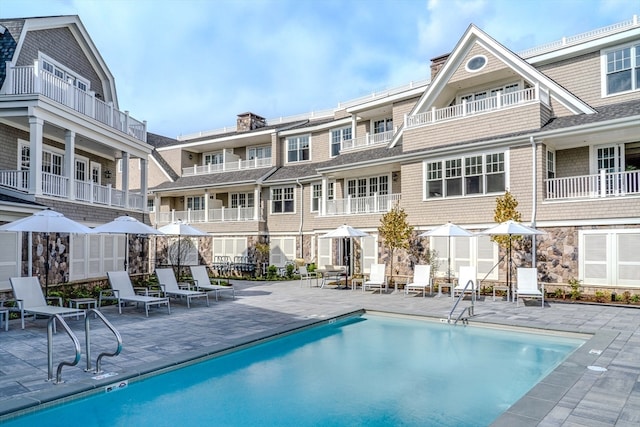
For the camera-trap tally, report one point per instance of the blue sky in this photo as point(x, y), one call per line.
point(192, 65)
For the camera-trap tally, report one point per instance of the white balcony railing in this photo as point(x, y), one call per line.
point(57, 186)
point(466, 109)
point(604, 184)
point(215, 215)
point(26, 80)
point(362, 205)
point(226, 167)
point(366, 140)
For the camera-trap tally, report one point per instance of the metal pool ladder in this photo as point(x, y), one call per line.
point(469, 309)
point(76, 344)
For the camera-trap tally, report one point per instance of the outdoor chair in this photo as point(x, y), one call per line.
point(202, 282)
point(122, 291)
point(421, 280)
point(170, 288)
point(377, 278)
point(527, 285)
point(466, 274)
point(30, 299)
point(307, 276)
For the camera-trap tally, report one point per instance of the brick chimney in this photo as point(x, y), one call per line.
point(250, 121)
point(437, 63)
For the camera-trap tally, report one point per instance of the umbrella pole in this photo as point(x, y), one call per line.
point(46, 269)
point(509, 268)
point(126, 250)
point(449, 260)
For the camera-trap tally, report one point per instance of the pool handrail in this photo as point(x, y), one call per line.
point(76, 343)
point(88, 340)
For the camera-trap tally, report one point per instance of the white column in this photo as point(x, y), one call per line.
point(125, 178)
point(69, 163)
point(354, 125)
point(256, 202)
point(143, 181)
point(206, 205)
point(35, 155)
point(323, 199)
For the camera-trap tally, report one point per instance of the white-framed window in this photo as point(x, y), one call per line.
point(331, 190)
point(298, 149)
point(96, 169)
point(212, 159)
point(195, 203)
point(151, 206)
point(81, 170)
point(52, 161)
point(383, 125)
point(609, 257)
point(283, 200)
point(263, 152)
point(487, 93)
point(481, 174)
point(337, 136)
point(119, 165)
point(551, 164)
point(242, 200)
point(364, 187)
point(621, 69)
point(63, 73)
point(316, 197)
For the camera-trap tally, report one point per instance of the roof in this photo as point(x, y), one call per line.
point(215, 179)
point(5, 198)
point(604, 113)
point(8, 43)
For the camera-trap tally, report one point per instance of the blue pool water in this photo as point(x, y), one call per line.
point(370, 371)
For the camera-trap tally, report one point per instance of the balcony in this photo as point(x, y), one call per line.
point(362, 205)
point(227, 167)
point(366, 141)
point(28, 80)
point(214, 215)
point(58, 186)
point(604, 184)
point(498, 102)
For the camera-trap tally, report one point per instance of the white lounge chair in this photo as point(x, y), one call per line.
point(421, 280)
point(201, 281)
point(467, 273)
point(527, 285)
point(170, 288)
point(28, 294)
point(123, 292)
point(377, 278)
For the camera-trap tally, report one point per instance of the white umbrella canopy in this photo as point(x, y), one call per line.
point(344, 231)
point(47, 221)
point(125, 225)
point(179, 228)
point(448, 230)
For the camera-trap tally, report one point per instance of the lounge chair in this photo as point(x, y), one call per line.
point(377, 278)
point(467, 273)
point(306, 275)
point(170, 288)
point(202, 282)
point(527, 285)
point(421, 280)
point(123, 292)
point(28, 294)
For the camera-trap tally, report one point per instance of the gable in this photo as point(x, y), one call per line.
point(494, 69)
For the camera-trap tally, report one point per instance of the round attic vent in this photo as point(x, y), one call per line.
point(476, 63)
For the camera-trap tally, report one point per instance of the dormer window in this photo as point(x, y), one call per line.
point(476, 63)
point(621, 69)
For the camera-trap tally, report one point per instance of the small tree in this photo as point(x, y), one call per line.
point(505, 210)
point(395, 231)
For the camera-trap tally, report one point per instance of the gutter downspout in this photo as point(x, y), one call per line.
point(534, 200)
point(301, 217)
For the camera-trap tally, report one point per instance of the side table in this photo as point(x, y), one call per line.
point(78, 302)
point(4, 317)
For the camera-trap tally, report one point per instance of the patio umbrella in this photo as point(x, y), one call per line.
point(511, 228)
point(125, 225)
point(179, 228)
point(345, 232)
point(448, 230)
point(47, 221)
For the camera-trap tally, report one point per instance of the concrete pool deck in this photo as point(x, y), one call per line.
point(570, 396)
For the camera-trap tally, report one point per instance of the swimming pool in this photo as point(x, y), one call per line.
point(369, 370)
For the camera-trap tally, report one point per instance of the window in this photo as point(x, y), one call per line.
point(331, 191)
point(364, 187)
point(298, 149)
point(622, 69)
point(316, 196)
point(242, 200)
point(81, 170)
point(51, 163)
point(68, 76)
point(259, 153)
point(195, 203)
point(551, 164)
point(212, 159)
point(476, 63)
point(466, 176)
point(384, 125)
point(150, 205)
point(337, 136)
point(95, 172)
point(282, 200)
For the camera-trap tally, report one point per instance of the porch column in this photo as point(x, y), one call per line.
point(206, 205)
point(143, 182)
point(323, 199)
point(35, 155)
point(69, 163)
point(125, 178)
point(256, 202)
point(354, 124)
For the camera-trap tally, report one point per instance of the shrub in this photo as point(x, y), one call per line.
point(290, 268)
point(602, 296)
point(576, 292)
point(272, 272)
